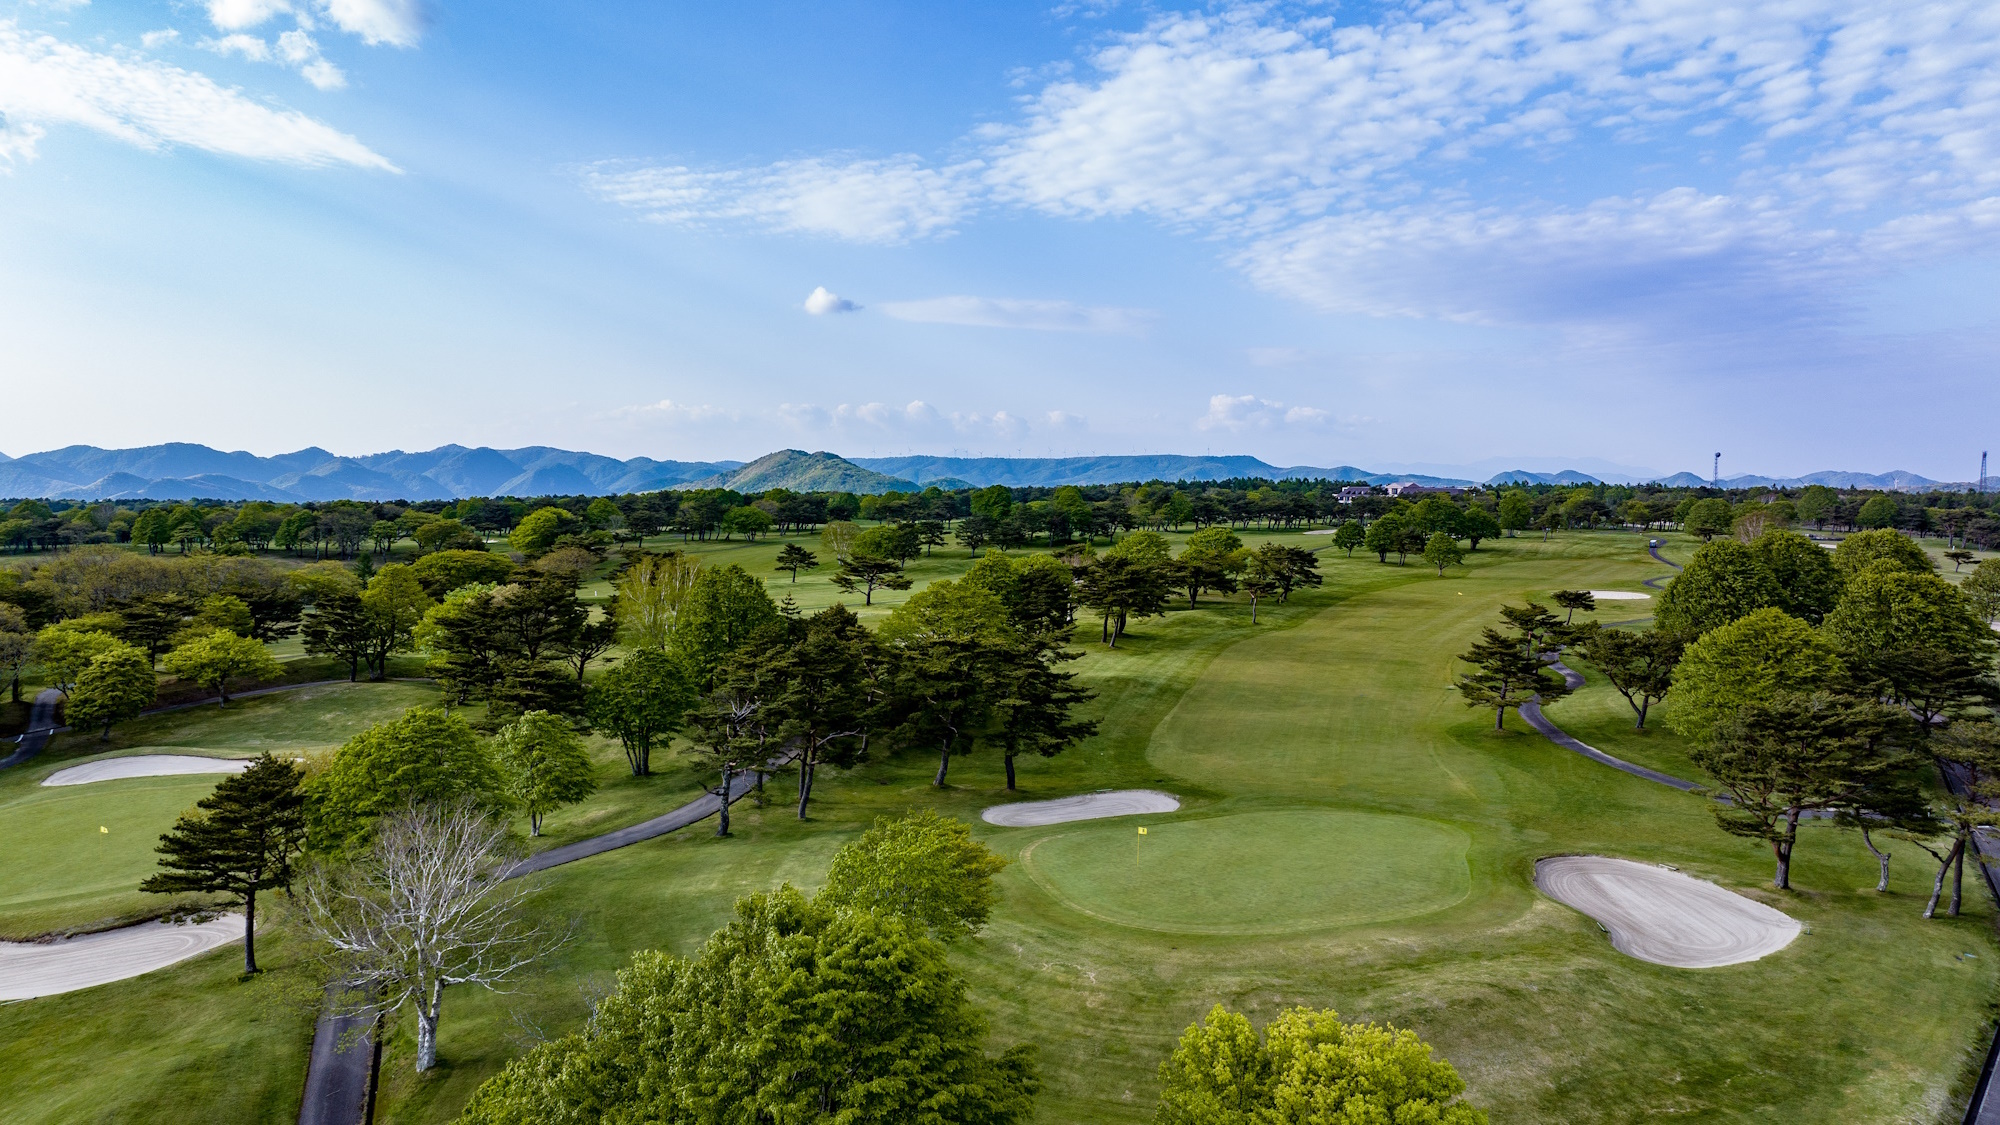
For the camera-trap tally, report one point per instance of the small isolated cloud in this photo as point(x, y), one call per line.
point(44, 81)
point(1004, 312)
point(822, 301)
point(1064, 420)
point(300, 52)
point(1237, 413)
point(155, 39)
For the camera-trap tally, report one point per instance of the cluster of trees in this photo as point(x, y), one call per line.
point(1855, 684)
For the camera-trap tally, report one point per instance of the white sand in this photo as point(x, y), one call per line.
point(30, 969)
point(1619, 596)
point(1089, 806)
point(144, 765)
point(1664, 916)
point(1323, 531)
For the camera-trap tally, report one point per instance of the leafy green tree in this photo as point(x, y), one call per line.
point(441, 536)
point(115, 686)
point(1751, 660)
point(545, 765)
point(1982, 590)
point(393, 603)
point(383, 535)
point(443, 571)
point(1310, 1069)
point(1709, 518)
point(1863, 550)
point(538, 530)
point(17, 647)
point(725, 607)
point(1258, 587)
point(1210, 561)
point(1507, 672)
point(975, 531)
point(1886, 608)
point(1120, 588)
point(1878, 512)
point(426, 757)
point(1725, 581)
point(795, 558)
point(1474, 525)
point(813, 693)
point(1434, 514)
point(1348, 536)
point(995, 502)
point(1441, 551)
point(1383, 536)
point(1640, 665)
point(641, 700)
point(652, 594)
point(1288, 568)
point(922, 867)
point(1959, 558)
point(966, 609)
point(1792, 754)
point(794, 1012)
point(1517, 512)
point(1809, 583)
point(239, 840)
point(1815, 503)
point(1147, 547)
point(213, 659)
point(63, 653)
point(603, 515)
point(1970, 750)
point(747, 521)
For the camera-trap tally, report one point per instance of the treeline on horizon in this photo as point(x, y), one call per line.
point(1001, 515)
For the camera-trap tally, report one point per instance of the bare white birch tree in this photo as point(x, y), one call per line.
point(426, 908)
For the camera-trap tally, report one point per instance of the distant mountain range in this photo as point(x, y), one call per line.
point(182, 471)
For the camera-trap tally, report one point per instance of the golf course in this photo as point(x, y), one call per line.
point(1349, 835)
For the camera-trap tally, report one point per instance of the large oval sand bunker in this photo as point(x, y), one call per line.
point(1664, 916)
point(1255, 873)
point(1088, 806)
point(144, 765)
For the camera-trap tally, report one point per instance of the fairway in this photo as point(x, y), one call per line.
point(63, 872)
point(1256, 873)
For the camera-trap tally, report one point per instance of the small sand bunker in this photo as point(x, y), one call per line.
point(31, 969)
point(1619, 596)
point(1089, 806)
point(144, 765)
point(1664, 916)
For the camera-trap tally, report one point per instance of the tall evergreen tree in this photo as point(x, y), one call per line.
point(240, 840)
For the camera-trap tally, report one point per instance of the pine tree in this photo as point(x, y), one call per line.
point(1506, 673)
point(240, 841)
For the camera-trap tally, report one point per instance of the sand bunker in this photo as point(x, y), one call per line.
point(1089, 806)
point(1664, 916)
point(1619, 596)
point(31, 969)
point(144, 765)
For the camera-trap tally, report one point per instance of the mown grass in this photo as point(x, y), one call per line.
point(1338, 704)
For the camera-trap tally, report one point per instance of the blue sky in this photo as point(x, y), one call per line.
point(1625, 232)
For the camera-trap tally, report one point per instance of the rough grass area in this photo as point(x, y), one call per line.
point(1335, 709)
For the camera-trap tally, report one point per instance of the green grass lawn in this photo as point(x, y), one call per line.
point(1339, 799)
point(64, 874)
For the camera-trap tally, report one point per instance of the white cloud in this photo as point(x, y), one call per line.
point(679, 412)
point(47, 82)
point(236, 15)
point(155, 39)
point(1237, 413)
point(246, 46)
point(1004, 312)
point(822, 301)
point(398, 23)
point(300, 51)
point(1428, 163)
point(886, 201)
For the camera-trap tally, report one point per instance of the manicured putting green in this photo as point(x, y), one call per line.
point(61, 871)
point(1255, 873)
